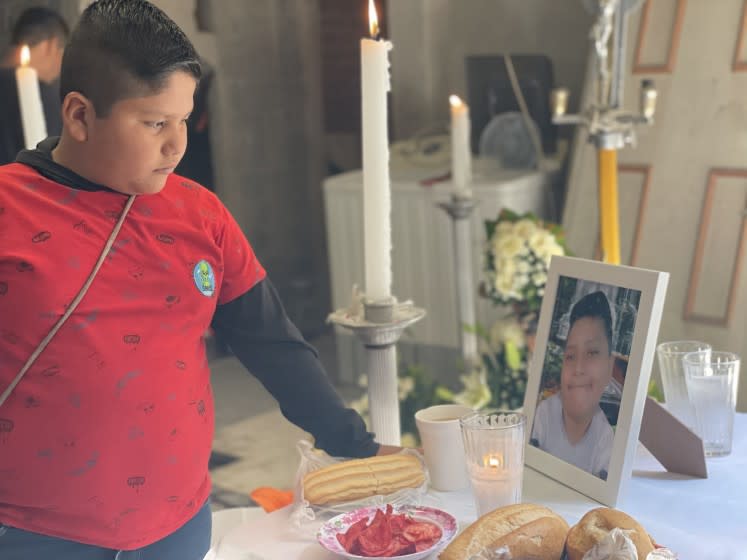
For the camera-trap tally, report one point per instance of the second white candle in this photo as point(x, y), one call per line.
point(461, 155)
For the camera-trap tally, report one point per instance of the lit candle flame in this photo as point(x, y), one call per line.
point(455, 101)
point(25, 55)
point(373, 20)
point(493, 461)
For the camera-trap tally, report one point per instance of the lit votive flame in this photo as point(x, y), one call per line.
point(25, 55)
point(455, 101)
point(373, 20)
point(493, 462)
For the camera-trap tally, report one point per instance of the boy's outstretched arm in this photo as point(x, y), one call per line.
point(260, 334)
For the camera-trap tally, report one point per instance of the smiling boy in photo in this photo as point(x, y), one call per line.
point(570, 425)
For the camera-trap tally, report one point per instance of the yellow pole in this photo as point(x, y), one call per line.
point(609, 220)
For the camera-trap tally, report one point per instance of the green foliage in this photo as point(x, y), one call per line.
point(423, 393)
point(654, 391)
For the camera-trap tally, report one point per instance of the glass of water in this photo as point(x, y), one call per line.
point(712, 381)
point(672, 372)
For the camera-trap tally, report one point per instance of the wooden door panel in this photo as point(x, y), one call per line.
point(656, 51)
point(718, 258)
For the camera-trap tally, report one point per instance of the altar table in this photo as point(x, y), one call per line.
point(700, 519)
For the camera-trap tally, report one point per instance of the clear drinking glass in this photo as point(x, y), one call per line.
point(494, 448)
point(670, 356)
point(712, 381)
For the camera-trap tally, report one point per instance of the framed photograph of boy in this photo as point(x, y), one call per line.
point(589, 375)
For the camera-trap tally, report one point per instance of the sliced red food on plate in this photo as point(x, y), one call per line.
point(347, 538)
point(389, 534)
point(422, 531)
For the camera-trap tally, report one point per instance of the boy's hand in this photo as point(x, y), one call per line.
point(392, 449)
point(388, 449)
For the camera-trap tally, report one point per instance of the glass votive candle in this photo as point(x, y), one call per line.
point(494, 449)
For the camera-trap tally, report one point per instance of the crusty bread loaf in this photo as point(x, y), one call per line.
point(361, 478)
point(528, 530)
point(596, 524)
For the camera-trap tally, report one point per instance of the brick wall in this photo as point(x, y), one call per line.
point(343, 24)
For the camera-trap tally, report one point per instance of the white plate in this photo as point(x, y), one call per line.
point(327, 535)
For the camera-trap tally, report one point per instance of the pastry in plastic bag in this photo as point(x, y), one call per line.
point(511, 532)
point(362, 478)
point(340, 485)
point(595, 527)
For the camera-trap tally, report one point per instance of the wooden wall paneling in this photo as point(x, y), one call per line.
point(739, 63)
point(644, 171)
point(640, 66)
point(700, 272)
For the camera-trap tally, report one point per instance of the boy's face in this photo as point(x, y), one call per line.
point(587, 368)
point(46, 58)
point(136, 147)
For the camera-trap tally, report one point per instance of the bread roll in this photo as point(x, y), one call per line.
point(528, 530)
point(595, 525)
point(362, 478)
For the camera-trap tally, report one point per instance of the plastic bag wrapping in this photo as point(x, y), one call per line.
point(502, 553)
point(307, 518)
point(618, 546)
point(662, 554)
point(615, 546)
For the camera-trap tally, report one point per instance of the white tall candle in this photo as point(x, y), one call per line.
point(29, 102)
point(376, 191)
point(461, 156)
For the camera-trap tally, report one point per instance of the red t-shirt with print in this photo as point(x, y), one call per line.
point(106, 439)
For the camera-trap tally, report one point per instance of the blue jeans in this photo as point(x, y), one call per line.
point(190, 542)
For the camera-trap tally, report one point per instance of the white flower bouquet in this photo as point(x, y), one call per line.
point(518, 253)
point(517, 257)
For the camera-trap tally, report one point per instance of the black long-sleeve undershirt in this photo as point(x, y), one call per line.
point(267, 343)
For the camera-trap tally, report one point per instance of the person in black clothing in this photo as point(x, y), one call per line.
point(197, 162)
point(44, 31)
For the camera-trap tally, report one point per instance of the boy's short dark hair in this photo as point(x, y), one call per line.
point(597, 306)
point(38, 24)
point(121, 49)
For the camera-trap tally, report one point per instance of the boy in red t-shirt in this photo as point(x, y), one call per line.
point(104, 442)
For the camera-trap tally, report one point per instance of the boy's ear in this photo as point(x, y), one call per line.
point(78, 114)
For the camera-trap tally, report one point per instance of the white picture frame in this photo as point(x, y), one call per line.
point(648, 288)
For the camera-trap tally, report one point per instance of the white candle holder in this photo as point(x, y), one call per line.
point(460, 209)
point(379, 328)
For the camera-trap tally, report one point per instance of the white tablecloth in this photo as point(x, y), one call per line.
point(701, 519)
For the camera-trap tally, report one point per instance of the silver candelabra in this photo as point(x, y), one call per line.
point(379, 325)
point(610, 127)
point(460, 211)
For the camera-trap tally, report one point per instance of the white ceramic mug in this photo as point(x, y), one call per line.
point(441, 436)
